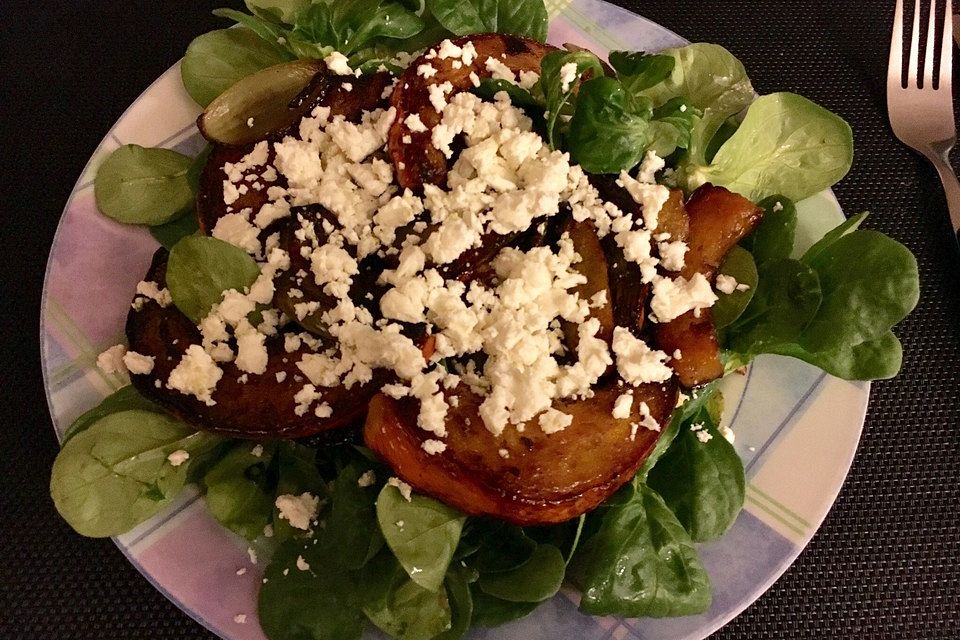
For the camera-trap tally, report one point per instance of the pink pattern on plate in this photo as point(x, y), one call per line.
point(94, 287)
point(196, 563)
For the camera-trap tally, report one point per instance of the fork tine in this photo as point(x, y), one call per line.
point(914, 63)
point(931, 45)
point(895, 63)
point(946, 50)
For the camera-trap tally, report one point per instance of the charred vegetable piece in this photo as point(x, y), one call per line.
point(593, 266)
point(718, 220)
point(629, 296)
point(297, 285)
point(417, 161)
point(526, 477)
point(323, 91)
point(261, 407)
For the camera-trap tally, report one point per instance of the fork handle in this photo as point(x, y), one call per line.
point(951, 187)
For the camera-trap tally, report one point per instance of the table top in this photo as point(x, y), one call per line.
point(886, 562)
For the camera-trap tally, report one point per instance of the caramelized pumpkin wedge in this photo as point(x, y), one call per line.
point(416, 161)
point(323, 91)
point(629, 296)
point(261, 407)
point(526, 477)
point(719, 219)
point(593, 266)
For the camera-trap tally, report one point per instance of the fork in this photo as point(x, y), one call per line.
point(921, 115)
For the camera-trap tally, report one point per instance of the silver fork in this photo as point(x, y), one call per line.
point(922, 115)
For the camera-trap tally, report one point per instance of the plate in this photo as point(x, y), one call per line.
point(796, 428)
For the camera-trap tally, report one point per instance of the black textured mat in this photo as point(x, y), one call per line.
point(886, 563)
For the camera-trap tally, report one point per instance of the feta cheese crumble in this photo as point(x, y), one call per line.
point(299, 511)
point(178, 457)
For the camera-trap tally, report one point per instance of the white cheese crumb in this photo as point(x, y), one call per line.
point(196, 374)
point(727, 433)
point(778, 206)
point(636, 362)
point(672, 254)
point(252, 554)
point(257, 451)
point(552, 421)
point(367, 479)
point(404, 489)
point(302, 564)
point(434, 447)
point(674, 297)
point(111, 360)
point(300, 510)
point(622, 406)
point(241, 571)
point(337, 63)
point(151, 290)
point(704, 436)
point(426, 70)
point(414, 123)
point(240, 618)
point(568, 73)
point(726, 284)
point(178, 457)
point(647, 421)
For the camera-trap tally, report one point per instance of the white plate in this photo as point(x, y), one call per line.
point(797, 428)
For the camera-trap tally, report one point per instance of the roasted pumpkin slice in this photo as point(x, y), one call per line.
point(526, 477)
point(251, 406)
point(417, 161)
point(719, 219)
point(593, 266)
point(323, 91)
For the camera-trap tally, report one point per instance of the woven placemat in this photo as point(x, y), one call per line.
point(886, 563)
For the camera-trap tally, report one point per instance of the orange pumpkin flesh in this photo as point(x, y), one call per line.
point(526, 477)
point(719, 219)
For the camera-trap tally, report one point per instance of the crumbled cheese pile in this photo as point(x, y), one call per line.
point(505, 180)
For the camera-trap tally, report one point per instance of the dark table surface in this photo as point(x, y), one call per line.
point(885, 564)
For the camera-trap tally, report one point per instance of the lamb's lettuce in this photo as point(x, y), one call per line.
point(558, 95)
point(400, 607)
point(786, 144)
point(775, 236)
point(535, 580)
point(740, 265)
point(422, 533)
point(201, 268)
point(834, 307)
point(139, 185)
point(115, 474)
point(123, 399)
point(713, 80)
point(640, 561)
point(215, 60)
point(702, 482)
point(303, 599)
point(517, 17)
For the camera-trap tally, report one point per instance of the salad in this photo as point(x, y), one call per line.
point(439, 315)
